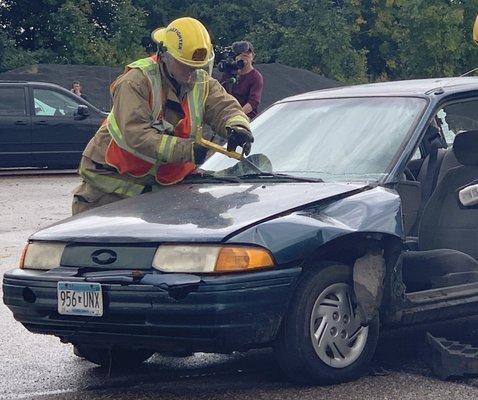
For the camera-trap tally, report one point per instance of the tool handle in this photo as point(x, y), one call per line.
point(216, 147)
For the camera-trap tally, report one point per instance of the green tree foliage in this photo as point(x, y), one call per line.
point(348, 40)
point(96, 32)
point(11, 56)
point(316, 35)
point(418, 38)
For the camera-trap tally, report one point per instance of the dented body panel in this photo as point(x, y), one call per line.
point(296, 235)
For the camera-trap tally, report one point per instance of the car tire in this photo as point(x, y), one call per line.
point(318, 342)
point(116, 357)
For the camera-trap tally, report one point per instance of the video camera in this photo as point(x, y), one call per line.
point(226, 57)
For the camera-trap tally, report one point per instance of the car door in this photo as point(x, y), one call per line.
point(15, 127)
point(59, 134)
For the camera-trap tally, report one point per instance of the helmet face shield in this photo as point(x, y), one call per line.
point(185, 74)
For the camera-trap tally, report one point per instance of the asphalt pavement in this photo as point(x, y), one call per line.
point(40, 367)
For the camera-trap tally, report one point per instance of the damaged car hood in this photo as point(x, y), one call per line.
point(192, 212)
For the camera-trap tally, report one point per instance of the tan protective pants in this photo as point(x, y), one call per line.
point(86, 197)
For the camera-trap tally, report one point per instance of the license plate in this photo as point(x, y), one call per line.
point(80, 299)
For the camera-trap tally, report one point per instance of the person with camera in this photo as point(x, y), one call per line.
point(241, 79)
point(159, 104)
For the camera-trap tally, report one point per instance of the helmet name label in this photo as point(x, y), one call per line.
point(180, 37)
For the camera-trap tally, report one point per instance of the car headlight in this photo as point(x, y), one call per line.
point(40, 255)
point(210, 258)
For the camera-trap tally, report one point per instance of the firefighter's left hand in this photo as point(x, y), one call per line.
point(239, 136)
point(199, 154)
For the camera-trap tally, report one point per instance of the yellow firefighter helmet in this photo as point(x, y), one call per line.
point(187, 40)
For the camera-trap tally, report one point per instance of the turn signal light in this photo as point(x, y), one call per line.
point(234, 259)
point(22, 256)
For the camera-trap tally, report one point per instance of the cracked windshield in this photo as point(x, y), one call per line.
point(348, 139)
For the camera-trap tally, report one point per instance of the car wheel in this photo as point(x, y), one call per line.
point(116, 357)
point(321, 340)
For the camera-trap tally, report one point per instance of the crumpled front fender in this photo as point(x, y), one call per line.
point(292, 237)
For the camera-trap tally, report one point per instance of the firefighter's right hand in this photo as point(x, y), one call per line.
point(199, 154)
point(239, 136)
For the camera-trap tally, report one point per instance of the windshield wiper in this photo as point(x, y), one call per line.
point(279, 176)
point(200, 176)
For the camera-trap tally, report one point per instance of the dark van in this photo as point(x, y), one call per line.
point(44, 125)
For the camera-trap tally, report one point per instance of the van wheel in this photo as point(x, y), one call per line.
point(116, 357)
point(321, 340)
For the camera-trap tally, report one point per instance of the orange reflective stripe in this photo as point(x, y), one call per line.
point(125, 162)
point(170, 174)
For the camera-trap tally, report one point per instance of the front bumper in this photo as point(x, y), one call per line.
point(219, 314)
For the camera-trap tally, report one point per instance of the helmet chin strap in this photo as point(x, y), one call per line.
point(161, 48)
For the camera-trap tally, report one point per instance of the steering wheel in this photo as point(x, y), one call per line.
point(409, 175)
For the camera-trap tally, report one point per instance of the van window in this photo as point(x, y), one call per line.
point(12, 101)
point(51, 103)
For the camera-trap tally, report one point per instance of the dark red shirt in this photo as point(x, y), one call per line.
point(247, 89)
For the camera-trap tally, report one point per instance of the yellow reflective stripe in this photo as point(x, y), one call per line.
point(196, 99)
point(141, 63)
point(238, 120)
point(166, 148)
point(154, 77)
point(111, 184)
point(113, 128)
point(162, 143)
point(169, 149)
point(206, 93)
point(192, 104)
point(150, 69)
point(118, 137)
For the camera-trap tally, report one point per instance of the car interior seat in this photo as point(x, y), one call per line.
point(420, 179)
point(447, 161)
point(448, 233)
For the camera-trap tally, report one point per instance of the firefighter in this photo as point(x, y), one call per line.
point(159, 102)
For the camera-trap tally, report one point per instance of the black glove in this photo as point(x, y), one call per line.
point(239, 136)
point(200, 153)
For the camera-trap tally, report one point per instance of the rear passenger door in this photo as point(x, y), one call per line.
point(15, 127)
point(59, 135)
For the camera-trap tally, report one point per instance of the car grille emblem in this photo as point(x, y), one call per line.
point(104, 256)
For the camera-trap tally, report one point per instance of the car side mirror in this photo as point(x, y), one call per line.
point(82, 112)
point(468, 195)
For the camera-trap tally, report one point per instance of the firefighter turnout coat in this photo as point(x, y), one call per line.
point(146, 138)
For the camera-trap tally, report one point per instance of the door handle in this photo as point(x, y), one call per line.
point(21, 123)
point(41, 123)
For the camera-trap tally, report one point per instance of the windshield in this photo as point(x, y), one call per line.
point(352, 139)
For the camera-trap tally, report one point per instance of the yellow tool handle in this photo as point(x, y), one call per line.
point(216, 147)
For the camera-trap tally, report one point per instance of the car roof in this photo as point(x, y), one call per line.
point(414, 87)
point(50, 85)
point(9, 82)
